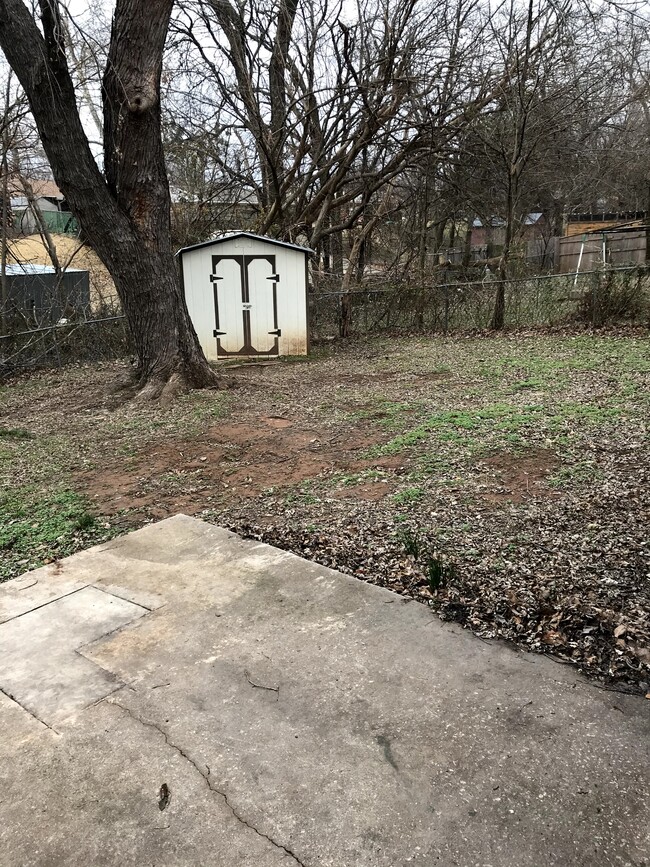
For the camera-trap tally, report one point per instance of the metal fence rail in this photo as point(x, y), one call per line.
point(594, 297)
point(63, 343)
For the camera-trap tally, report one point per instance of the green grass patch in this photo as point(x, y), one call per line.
point(408, 496)
point(207, 405)
point(505, 422)
point(303, 496)
point(585, 472)
point(387, 413)
point(35, 529)
point(15, 433)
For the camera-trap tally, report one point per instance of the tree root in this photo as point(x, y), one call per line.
point(144, 387)
point(167, 389)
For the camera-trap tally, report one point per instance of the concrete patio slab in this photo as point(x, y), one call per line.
point(282, 713)
point(43, 668)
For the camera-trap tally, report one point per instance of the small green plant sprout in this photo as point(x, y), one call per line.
point(408, 495)
point(410, 541)
point(439, 572)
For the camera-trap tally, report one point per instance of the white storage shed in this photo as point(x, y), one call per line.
point(247, 295)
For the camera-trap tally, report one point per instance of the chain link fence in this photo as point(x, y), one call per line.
point(593, 298)
point(66, 342)
point(64, 328)
point(47, 319)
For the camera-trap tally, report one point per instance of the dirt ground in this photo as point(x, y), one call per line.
point(503, 481)
point(250, 460)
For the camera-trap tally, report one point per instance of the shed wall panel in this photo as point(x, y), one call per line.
point(291, 298)
point(199, 295)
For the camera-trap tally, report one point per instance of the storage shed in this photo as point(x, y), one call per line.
point(247, 295)
point(38, 295)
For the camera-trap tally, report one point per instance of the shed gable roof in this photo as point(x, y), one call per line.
point(229, 236)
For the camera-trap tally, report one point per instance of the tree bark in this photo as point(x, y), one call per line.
point(126, 215)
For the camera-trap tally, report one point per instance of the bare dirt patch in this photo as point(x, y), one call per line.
point(519, 476)
point(229, 462)
point(434, 374)
point(368, 377)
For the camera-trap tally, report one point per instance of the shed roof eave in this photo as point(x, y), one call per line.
point(229, 236)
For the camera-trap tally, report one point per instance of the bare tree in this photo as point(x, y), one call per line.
point(330, 104)
point(124, 212)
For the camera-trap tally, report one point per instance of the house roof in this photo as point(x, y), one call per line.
point(499, 222)
point(42, 188)
point(636, 226)
point(228, 236)
point(605, 217)
point(495, 222)
point(234, 196)
point(26, 268)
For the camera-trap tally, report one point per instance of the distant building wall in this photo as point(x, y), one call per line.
point(37, 296)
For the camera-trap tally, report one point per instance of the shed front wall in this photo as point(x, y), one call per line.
point(291, 292)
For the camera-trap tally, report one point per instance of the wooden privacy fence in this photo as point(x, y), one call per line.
point(588, 252)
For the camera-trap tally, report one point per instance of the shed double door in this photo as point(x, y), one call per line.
point(245, 305)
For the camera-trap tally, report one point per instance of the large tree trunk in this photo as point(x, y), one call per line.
point(126, 215)
point(169, 356)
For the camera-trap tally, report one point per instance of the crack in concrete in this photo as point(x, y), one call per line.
point(43, 604)
point(206, 776)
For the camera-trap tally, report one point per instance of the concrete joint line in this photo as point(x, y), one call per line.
point(28, 711)
point(206, 776)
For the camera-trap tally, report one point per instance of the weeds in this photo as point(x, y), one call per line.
point(407, 496)
point(15, 433)
point(410, 541)
point(36, 529)
point(439, 570)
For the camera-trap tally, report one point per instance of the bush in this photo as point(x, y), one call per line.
point(614, 296)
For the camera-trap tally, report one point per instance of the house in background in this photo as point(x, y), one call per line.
point(489, 232)
point(487, 237)
point(37, 295)
point(32, 194)
point(493, 230)
point(579, 224)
